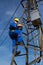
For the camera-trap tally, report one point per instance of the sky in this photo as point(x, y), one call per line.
point(7, 8)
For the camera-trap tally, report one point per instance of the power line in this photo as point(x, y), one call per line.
point(8, 23)
point(5, 38)
point(10, 19)
point(3, 41)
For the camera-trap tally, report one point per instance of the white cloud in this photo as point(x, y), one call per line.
point(10, 12)
point(5, 56)
point(4, 62)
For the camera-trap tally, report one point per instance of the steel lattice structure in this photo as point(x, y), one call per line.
point(33, 27)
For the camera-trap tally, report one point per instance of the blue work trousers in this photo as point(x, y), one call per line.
point(16, 39)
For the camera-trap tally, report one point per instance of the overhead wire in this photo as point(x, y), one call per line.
point(6, 36)
point(10, 20)
point(8, 24)
point(3, 41)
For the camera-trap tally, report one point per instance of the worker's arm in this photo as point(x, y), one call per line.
point(13, 26)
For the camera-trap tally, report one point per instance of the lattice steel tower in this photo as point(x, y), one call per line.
point(32, 22)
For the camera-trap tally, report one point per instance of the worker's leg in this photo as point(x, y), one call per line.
point(14, 46)
point(20, 40)
point(14, 51)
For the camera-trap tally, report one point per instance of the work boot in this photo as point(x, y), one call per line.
point(17, 53)
point(39, 61)
point(20, 43)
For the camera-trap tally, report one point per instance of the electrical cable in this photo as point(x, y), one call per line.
point(10, 20)
point(8, 24)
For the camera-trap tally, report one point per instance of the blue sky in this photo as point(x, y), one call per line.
point(7, 7)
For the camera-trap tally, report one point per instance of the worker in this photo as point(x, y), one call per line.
point(20, 38)
point(13, 34)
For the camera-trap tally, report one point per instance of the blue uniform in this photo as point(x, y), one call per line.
point(19, 39)
point(15, 34)
point(12, 30)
